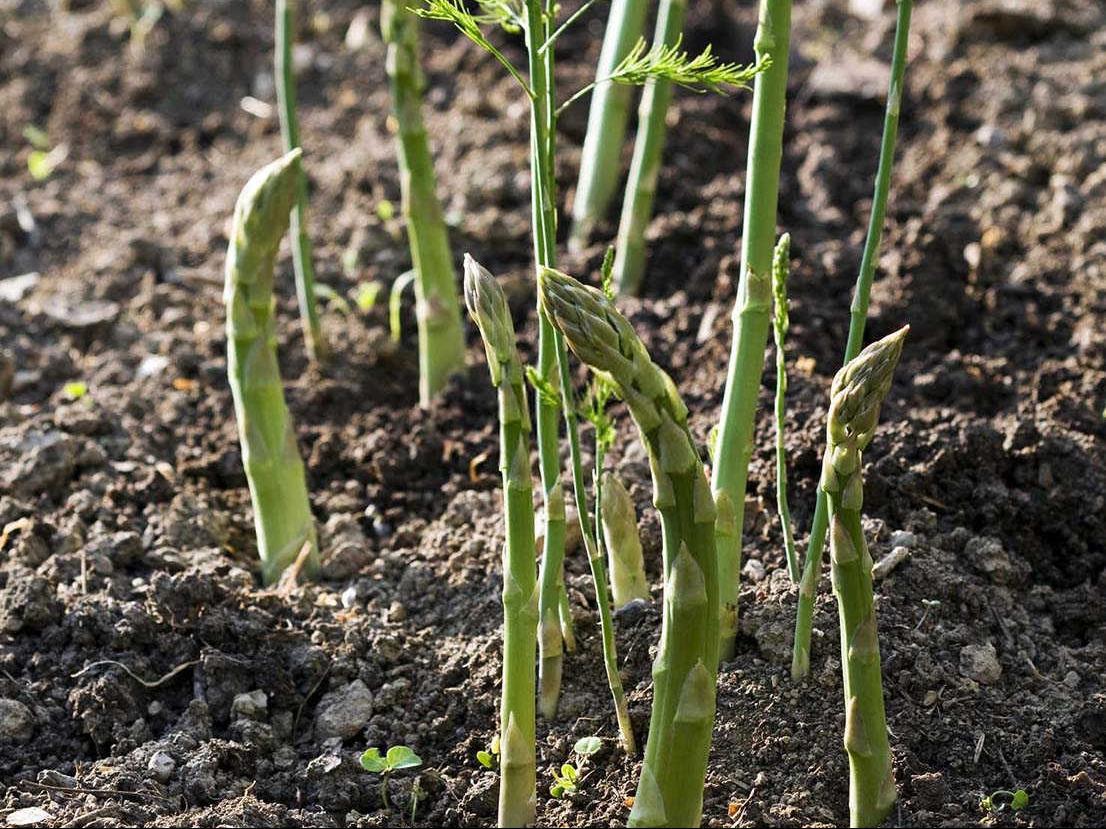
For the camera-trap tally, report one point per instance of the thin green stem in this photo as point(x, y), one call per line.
point(572, 18)
point(751, 317)
point(441, 336)
point(641, 187)
point(290, 134)
point(780, 322)
point(858, 316)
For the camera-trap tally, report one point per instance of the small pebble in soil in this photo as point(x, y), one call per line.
point(31, 816)
point(1072, 679)
point(754, 570)
point(16, 721)
point(980, 662)
point(161, 766)
point(250, 706)
point(903, 538)
point(344, 712)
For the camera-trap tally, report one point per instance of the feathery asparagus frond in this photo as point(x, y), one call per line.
point(700, 73)
point(498, 13)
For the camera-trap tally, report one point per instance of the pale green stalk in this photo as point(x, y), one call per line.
point(858, 315)
point(553, 599)
point(620, 535)
point(751, 317)
point(441, 337)
point(517, 766)
point(610, 111)
point(670, 789)
point(780, 322)
point(858, 391)
point(641, 187)
point(274, 469)
point(290, 134)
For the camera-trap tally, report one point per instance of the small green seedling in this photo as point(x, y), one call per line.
point(489, 758)
point(75, 390)
point(385, 210)
point(997, 801)
point(334, 299)
point(366, 294)
point(398, 757)
point(568, 780)
point(43, 159)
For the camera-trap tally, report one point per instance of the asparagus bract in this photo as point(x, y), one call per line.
point(855, 398)
point(518, 773)
point(290, 135)
point(622, 541)
point(670, 790)
point(441, 337)
point(607, 117)
point(274, 469)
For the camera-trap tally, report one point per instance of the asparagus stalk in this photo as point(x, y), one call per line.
point(607, 119)
point(302, 262)
point(858, 316)
point(517, 788)
point(274, 469)
point(670, 790)
point(623, 544)
point(780, 323)
point(754, 297)
point(855, 398)
point(441, 337)
point(641, 187)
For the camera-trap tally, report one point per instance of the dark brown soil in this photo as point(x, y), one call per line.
point(132, 627)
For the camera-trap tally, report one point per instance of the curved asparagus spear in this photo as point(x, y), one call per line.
point(274, 470)
point(302, 262)
point(780, 324)
point(517, 788)
point(855, 398)
point(670, 790)
point(622, 541)
point(441, 336)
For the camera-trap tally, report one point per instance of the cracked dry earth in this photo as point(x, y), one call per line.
point(146, 679)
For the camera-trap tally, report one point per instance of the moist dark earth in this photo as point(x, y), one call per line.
point(147, 679)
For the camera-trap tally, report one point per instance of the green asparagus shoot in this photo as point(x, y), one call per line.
point(670, 789)
point(487, 305)
point(274, 470)
point(857, 393)
point(780, 322)
point(397, 758)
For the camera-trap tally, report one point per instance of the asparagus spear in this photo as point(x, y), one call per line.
point(641, 187)
point(302, 263)
point(607, 117)
point(754, 294)
point(517, 788)
point(670, 790)
point(858, 316)
point(441, 337)
point(274, 470)
point(622, 541)
point(855, 398)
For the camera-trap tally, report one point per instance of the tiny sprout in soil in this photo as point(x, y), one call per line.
point(396, 759)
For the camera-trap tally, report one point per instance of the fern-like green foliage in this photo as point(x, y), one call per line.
point(503, 13)
point(700, 73)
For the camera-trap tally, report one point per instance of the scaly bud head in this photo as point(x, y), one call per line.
point(860, 387)
point(487, 305)
point(593, 329)
point(261, 216)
